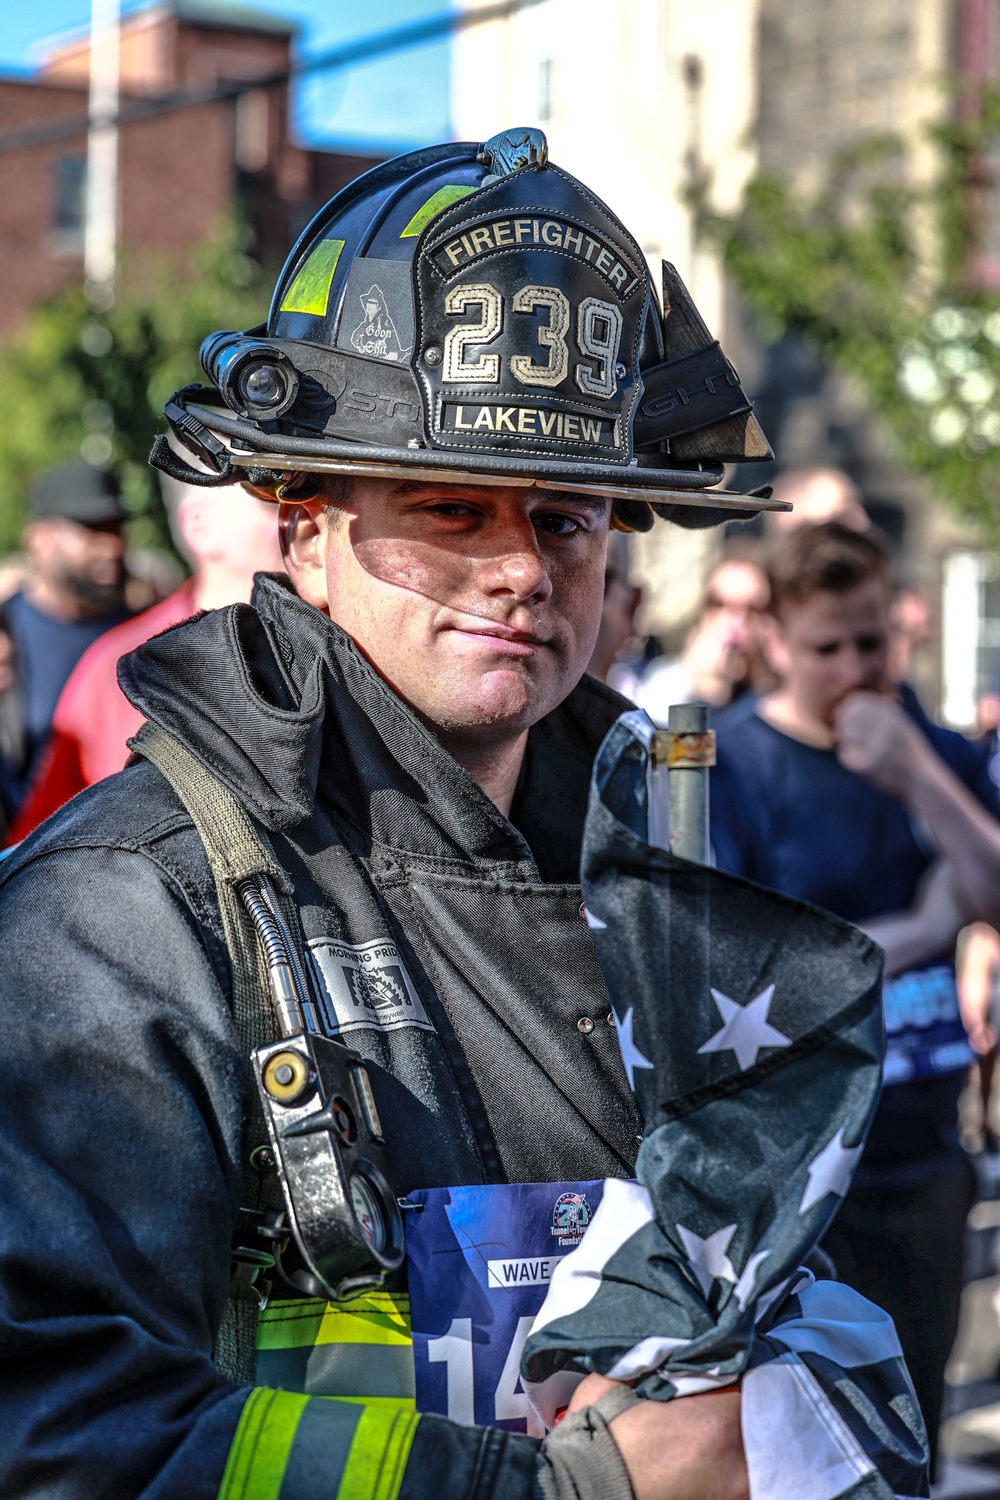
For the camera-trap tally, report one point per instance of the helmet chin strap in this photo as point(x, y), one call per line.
point(163, 457)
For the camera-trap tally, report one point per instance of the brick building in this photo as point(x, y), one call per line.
point(180, 169)
point(728, 87)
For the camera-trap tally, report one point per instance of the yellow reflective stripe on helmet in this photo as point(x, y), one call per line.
point(435, 203)
point(310, 291)
point(264, 1438)
point(377, 1460)
point(372, 1318)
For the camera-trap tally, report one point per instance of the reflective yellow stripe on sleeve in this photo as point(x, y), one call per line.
point(284, 1439)
point(381, 1446)
point(258, 1457)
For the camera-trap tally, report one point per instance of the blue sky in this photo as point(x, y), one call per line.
point(399, 101)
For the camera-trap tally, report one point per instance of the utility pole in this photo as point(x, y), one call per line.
point(101, 208)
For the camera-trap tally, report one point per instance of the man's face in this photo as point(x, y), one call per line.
point(737, 596)
point(480, 605)
point(833, 644)
point(88, 561)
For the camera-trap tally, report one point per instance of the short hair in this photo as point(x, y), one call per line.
point(824, 558)
point(331, 489)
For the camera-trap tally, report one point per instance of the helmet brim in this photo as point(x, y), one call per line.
point(653, 493)
point(655, 485)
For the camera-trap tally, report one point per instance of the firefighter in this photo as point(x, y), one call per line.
point(462, 383)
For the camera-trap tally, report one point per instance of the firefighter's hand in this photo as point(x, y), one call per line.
point(686, 1449)
point(875, 738)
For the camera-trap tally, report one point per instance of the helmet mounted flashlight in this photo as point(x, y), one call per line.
point(256, 380)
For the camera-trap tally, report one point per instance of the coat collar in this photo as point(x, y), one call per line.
point(278, 702)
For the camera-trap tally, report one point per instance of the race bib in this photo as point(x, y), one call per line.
point(479, 1262)
point(924, 1035)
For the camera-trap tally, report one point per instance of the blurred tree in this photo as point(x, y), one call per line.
point(876, 269)
point(79, 383)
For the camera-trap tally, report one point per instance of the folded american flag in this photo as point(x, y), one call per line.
point(750, 1027)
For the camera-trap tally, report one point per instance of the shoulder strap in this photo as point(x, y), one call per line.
point(236, 849)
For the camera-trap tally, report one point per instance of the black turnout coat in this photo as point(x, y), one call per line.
point(123, 1085)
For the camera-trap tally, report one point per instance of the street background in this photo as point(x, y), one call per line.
point(826, 179)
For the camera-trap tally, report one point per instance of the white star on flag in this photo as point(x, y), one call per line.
point(707, 1257)
point(631, 1056)
point(830, 1171)
point(743, 1289)
point(745, 1028)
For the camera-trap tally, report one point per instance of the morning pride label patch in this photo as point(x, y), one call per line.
point(365, 984)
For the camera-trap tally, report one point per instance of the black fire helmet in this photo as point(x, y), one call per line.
point(473, 314)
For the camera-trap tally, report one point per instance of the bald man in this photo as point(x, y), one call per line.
point(817, 494)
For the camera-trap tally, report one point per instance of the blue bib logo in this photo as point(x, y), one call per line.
point(570, 1217)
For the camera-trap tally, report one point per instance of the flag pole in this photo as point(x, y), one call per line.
point(688, 748)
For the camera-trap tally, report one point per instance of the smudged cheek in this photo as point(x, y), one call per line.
point(435, 573)
point(578, 598)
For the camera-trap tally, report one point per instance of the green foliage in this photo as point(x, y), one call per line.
point(873, 268)
point(77, 383)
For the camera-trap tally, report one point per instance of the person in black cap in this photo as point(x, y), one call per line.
point(73, 591)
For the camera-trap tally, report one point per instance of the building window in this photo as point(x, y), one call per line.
point(70, 189)
point(252, 125)
point(977, 54)
point(970, 627)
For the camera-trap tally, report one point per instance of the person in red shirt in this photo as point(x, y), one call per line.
point(226, 536)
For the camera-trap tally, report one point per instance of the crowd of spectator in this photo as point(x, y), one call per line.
point(834, 785)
